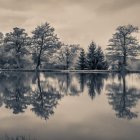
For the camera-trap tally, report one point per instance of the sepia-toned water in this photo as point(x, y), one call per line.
point(62, 106)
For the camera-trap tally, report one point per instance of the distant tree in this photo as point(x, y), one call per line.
point(16, 44)
point(2, 53)
point(1, 39)
point(82, 60)
point(95, 58)
point(67, 55)
point(44, 42)
point(123, 44)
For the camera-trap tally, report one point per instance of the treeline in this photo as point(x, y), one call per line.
point(43, 49)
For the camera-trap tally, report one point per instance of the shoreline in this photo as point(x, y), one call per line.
point(68, 71)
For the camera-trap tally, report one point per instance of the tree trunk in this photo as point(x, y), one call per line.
point(40, 89)
point(39, 59)
point(124, 58)
point(38, 62)
point(38, 82)
point(40, 52)
point(124, 53)
point(67, 63)
point(18, 61)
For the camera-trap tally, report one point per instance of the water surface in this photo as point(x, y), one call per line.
point(55, 106)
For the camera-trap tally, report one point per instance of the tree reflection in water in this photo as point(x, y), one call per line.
point(15, 90)
point(43, 91)
point(95, 83)
point(44, 102)
point(123, 98)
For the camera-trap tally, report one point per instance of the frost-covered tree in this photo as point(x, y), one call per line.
point(44, 42)
point(67, 55)
point(16, 43)
point(82, 60)
point(123, 44)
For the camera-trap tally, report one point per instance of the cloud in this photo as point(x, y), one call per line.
point(32, 4)
point(75, 21)
point(117, 5)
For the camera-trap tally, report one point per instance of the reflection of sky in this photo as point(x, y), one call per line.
point(76, 21)
point(133, 80)
point(76, 117)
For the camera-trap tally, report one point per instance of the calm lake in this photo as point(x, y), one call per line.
point(61, 106)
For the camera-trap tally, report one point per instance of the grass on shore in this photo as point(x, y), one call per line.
point(6, 137)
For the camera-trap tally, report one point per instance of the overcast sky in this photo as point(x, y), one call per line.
point(75, 21)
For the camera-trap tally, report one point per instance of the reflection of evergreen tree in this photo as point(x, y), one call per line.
point(123, 99)
point(44, 102)
point(82, 81)
point(95, 83)
point(15, 92)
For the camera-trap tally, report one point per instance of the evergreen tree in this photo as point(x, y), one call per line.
point(91, 56)
point(95, 58)
point(82, 60)
point(101, 63)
